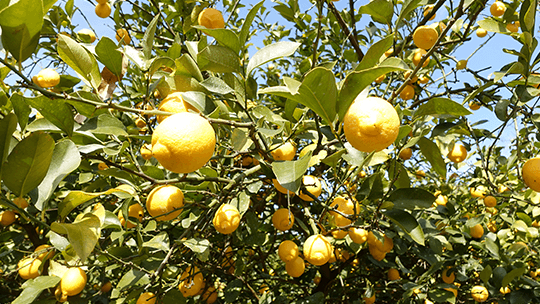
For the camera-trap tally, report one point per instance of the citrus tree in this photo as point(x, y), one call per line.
point(285, 152)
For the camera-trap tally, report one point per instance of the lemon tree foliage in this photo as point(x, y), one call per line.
point(271, 152)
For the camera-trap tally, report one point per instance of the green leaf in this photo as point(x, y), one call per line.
point(501, 109)
point(33, 288)
point(407, 8)
point(271, 52)
point(411, 198)
point(218, 59)
point(216, 85)
point(289, 173)
point(160, 62)
point(65, 159)
point(408, 223)
point(186, 66)
point(7, 126)
point(441, 106)
point(433, 155)
point(318, 92)
point(132, 278)
point(373, 55)
point(148, 38)
point(137, 57)
point(492, 25)
point(19, 42)
point(80, 60)
point(56, 111)
point(527, 15)
point(512, 275)
point(380, 10)
point(225, 37)
point(244, 32)
point(108, 54)
point(27, 164)
point(83, 234)
point(75, 198)
point(485, 274)
point(159, 242)
point(198, 245)
point(22, 110)
point(104, 124)
point(441, 295)
point(402, 180)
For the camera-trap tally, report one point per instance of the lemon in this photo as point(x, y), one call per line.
point(461, 65)
point(283, 219)
point(211, 18)
point(371, 124)
point(174, 103)
point(479, 293)
point(497, 9)
point(474, 105)
point(448, 279)
point(504, 290)
point(191, 281)
point(165, 199)
point(531, 173)
point(393, 274)
point(103, 10)
point(441, 200)
point(478, 192)
point(29, 268)
point(369, 300)
point(312, 185)
point(44, 252)
point(417, 57)
point(248, 160)
point(122, 34)
point(407, 93)
point(423, 79)
point(358, 235)
point(226, 219)
point(135, 211)
point(477, 231)
point(492, 226)
point(296, 267)
point(339, 234)
point(427, 11)
point(362, 174)
point(480, 32)
point(424, 37)
point(317, 250)
point(147, 298)
point(183, 142)
point(88, 33)
point(7, 218)
point(458, 153)
point(146, 153)
point(380, 78)
point(106, 287)
point(385, 246)
point(73, 281)
point(490, 201)
point(420, 174)
point(288, 251)
point(405, 153)
point(210, 295)
point(280, 188)
point(345, 206)
point(452, 290)
point(47, 78)
point(284, 151)
point(513, 27)
point(102, 166)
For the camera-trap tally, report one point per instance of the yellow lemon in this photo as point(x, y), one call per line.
point(448, 279)
point(479, 293)
point(288, 251)
point(407, 93)
point(296, 267)
point(380, 78)
point(371, 124)
point(73, 281)
point(497, 9)
point(44, 252)
point(458, 153)
point(480, 32)
point(424, 37)
point(478, 192)
point(312, 185)
point(405, 153)
point(7, 218)
point(393, 274)
point(474, 105)
point(492, 226)
point(531, 173)
point(102, 166)
point(174, 103)
point(317, 250)
point(477, 231)
point(106, 287)
point(461, 65)
point(29, 268)
point(417, 57)
point(344, 206)
point(248, 160)
point(135, 211)
point(441, 200)
point(87, 33)
point(103, 10)
point(423, 79)
point(369, 300)
point(122, 34)
point(358, 235)
point(283, 219)
point(191, 281)
point(165, 199)
point(226, 219)
point(420, 174)
point(284, 151)
point(427, 11)
point(280, 188)
point(183, 142)
point(513, 27)
point(504, 290)
point(146, 153)
point(210, 295)
point(490, 201)
point(211, 18)
point(47, 78)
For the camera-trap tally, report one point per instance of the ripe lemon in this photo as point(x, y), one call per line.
point(288, 251)
point(362, 174)
point(448, 279)
point(490, 201)
point(405, 153)
point(210, 295)
point(452, 290)
point(369, 300)
point(380, 78)
point(44, 252)
point(371, 124)
point(344, 206)
point(146, 153)
point(393, 274)
point(47, 78)
point(73, 281)
point(7, 218)
point(285, 151)
point(147, 298)
point(103, 10)
point(135, 211)
point(480, 32)
point(358, 235)
point(106, 287)
point(458, 153)
point(387, 246)
point(174, 103)
point(417, 57)
point(424, 37)
point(183, 142)
point(29, 268)
point(317, 250)
point(461, 65)
point(474, 105)
point(339, 234)
point(504, 290)
point(478, 192)
point(102, 166)
point(479, 293)
point(389, 52)
point(164, 199)
point(280, 188)
point(122, 34)
point(88, 33)
point(407, 93)
point(513, 27)
point(248, 160)
point(497, 9)
point(296, 267)
point(441, 200)
point(211, 18)
point(312, 185)
point(191, 281)
point(423, 79)
point(226, 219)
point(477, 231)
point(412, 80)
point(420, 174)
point(427, 11)
point(283, 219)
point(492, 226)
point(531, 173)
